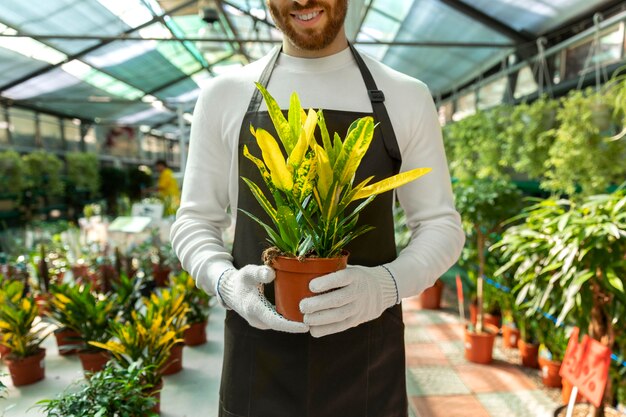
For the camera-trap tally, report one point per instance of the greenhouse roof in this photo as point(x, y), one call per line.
point(137, 62)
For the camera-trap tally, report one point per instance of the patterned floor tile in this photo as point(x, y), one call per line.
point(448, 406)
point(416, 334)
point(424, 354)
point(518, 404)
point(446, 332)
point(454, 351)
point(495, 377)
point(435, 380)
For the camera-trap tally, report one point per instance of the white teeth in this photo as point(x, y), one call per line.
point(306, 17)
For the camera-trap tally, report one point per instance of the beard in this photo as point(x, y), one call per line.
point(310, 39)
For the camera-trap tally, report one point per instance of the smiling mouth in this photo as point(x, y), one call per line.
point(307, 16)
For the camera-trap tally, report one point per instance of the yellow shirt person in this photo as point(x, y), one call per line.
point(167, 187)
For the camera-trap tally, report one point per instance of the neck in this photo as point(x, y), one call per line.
point(337, 45)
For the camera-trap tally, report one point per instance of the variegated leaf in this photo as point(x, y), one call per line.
point(354, 148)
point(278, 119)
point(391, 183)
point(274, 160)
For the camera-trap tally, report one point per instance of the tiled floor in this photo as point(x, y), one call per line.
point(440, 382)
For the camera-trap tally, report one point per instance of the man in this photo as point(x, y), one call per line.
point(167, 187)
point(347, 358)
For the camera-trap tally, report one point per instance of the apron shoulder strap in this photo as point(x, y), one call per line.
point(257, 98)
point(377, 98)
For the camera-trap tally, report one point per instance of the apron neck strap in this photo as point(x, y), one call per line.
point(255, 103)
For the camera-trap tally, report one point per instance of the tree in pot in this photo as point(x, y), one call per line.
point(484, 205)
point(199, 308)
point(12, 171)
point(113, 391)
point(89, 315)
point(43, 180)
point(314, 214)
point(23, 333)
point(579, 262)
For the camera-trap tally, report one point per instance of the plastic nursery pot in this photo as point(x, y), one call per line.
point(566, 392)
point(479, 346)
point(529, 353)
point(156, 393)
point(431, 297)
point(292, 281)
point(510, 337)
point(174, 362)
point(4, 351)
point(491, 319)
point(66, 337)
point(161, 275)
point(25, 371)
point(550, 373)
point(583, 410)
point(196, 334)
point(93, 361)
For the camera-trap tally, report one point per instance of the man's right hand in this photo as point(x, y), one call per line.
point(242, 290)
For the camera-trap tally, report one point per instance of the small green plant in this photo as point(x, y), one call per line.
point(197, 300)
point(44, 171)
point(114, 391)
point(82, 171)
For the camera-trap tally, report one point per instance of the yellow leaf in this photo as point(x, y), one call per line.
point(304, 142)
point(324, 171)
point(273, 158)
point(354, 148)
point(391, 183)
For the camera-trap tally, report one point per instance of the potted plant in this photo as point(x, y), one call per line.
point(171, 305)
point(65, 336)
point(199, 309)
point(88, 315)
point(82, 179)
point(11, 179)
point(147, 339)
point(22, 333)
point(314, 212)
point(112, 391)
point(484, 205)
point(43, 179)
point(551, 353)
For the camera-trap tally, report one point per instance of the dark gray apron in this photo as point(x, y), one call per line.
point(356, 373)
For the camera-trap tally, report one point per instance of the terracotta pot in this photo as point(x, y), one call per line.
point(479, 346)
point(529, 353)
point(550, 373)
point(66, 337)
point(493, 320)
point(174, 362)
point(4, 351)
point(510, 337)
point(566, 392)
point(196, 334)
point(431, 297)
point(42, 303)
point(156, 393)
point(93, 361)
point(27, 370)
point(161, 275)
point(292, 281)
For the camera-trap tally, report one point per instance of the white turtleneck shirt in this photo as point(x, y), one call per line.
point(210, 184)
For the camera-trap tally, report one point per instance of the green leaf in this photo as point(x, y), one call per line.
point(278, 119)
point(295, 117)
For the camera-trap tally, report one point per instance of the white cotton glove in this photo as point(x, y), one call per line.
point(242, 290)
point(355, 295)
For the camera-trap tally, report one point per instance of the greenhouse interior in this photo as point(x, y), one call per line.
point(103, 312)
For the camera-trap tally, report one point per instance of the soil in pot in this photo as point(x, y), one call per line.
point(529, 353)
point(510, 336)
point(65, 338)
point(93, 361)
point(292, 281)
point(196, 334)
point(25, 371)
point(431, 297)
point(174, 362)
point(583, 410)
point(479, 346)
point(550, 373)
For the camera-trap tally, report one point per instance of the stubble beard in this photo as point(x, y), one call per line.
point(311, 39)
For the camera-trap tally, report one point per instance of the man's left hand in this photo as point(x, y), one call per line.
point(348, 298)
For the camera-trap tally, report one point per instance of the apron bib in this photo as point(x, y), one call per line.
point(356, 373)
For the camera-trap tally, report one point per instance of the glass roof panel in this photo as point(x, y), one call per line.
point(62, 17)
point(534, 16)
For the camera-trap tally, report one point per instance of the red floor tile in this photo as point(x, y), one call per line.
point(495, 377)
point(448, 406)
point(419, 354)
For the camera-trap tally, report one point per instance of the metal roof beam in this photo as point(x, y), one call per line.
point(233, 29)
point(490, 22)
point(103, 42)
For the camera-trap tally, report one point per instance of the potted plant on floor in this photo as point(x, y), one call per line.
point(23, 333)
point(65, 336)
point(113, 391)
point(89, 315)
point(199, 309)
point(146, 339)
point(484, 205)
point(312, 216)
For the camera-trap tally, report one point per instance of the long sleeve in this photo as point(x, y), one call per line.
point(437, 237)
point(197, 232)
